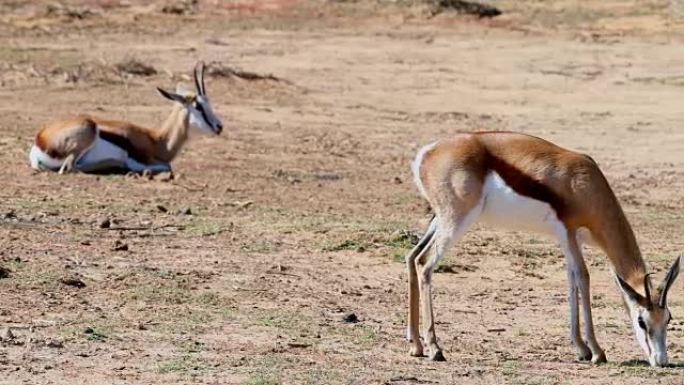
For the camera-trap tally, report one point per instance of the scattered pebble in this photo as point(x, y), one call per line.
point(105, 223)
point(73, 281)
point(4, 272)
point(350, 318)
point(7, 335)
point(120, 246)
point(55, 344)
point(136, 67)
point(11, 214)
point(300, 345)
point(162, 208)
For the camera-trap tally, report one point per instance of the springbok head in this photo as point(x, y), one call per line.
point(650, 314)
point(202, 116)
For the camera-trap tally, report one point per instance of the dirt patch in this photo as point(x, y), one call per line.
point(275, 253)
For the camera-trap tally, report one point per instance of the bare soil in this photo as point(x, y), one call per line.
point(242, 269)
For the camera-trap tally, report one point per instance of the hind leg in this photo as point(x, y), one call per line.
point(68, 164)
point(449, 230)
point(423, 246)
point(59, 146)
point(156, 168)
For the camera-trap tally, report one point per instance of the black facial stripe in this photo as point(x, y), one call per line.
point(204, 114)
point(641, 323)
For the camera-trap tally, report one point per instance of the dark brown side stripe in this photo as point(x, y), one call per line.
point(525, 185)
point(125, 144)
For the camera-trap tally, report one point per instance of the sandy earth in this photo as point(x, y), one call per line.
point(241, 269)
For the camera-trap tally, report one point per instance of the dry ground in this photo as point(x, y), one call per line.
point(240, 270)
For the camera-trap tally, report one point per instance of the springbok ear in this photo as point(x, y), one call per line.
point(668, 281)
point(173, 96)
point(632, 294)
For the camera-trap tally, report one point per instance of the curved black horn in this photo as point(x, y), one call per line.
point(647, 288)
point(202, 67)
point(668, 281)
point(198, 75)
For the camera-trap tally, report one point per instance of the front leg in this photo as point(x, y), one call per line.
point(578, 282)
point(138, 167)
point(583, 351)
point(597, 354)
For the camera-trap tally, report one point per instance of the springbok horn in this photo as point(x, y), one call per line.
point(204, 88)
point(668, 281)
point(198, 75)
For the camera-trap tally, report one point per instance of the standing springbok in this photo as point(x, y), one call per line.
point(518, 182)
point(88, 144)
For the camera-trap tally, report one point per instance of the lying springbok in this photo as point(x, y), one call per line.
point(520, 182)
point(89, 144)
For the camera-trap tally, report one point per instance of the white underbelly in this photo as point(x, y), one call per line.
point(40, 160)
point(504, 208)
point(102, 150)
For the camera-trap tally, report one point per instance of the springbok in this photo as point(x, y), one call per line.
point(89, 144)
point(521, 182)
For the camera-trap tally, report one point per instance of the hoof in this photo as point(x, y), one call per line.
point(599, 358)
point(437, 355)
point(584, 355)
point(416, 352)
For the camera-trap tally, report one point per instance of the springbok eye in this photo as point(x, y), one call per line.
point(642, 324)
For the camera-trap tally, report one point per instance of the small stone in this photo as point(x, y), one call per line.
point(162, 208)
point(4, 272)
point(73, 281)
point(120, 246)
point(105, 223)
point(89, 330)
point(400, 236)
point(7, 335)
point(350, 318)
point(55, 344)
point(186, 211)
